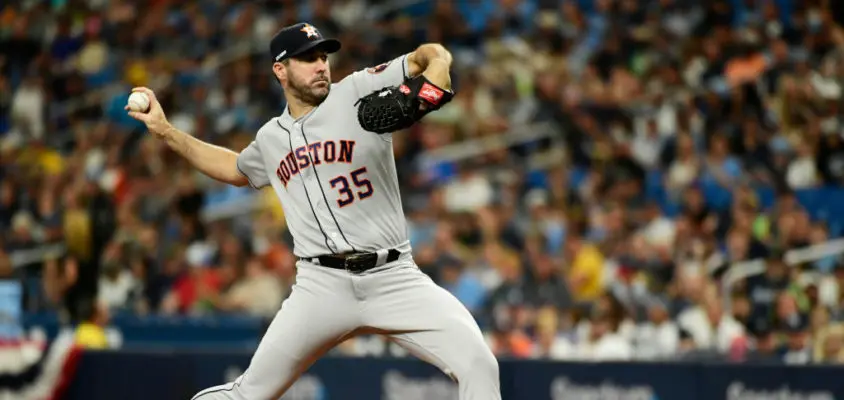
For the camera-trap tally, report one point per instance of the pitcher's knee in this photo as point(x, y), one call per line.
point(480, 364)
point(487, 364)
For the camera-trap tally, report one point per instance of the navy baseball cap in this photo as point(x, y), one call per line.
point(297, 39)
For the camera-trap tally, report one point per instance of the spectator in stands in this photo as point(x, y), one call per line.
point(719, 166)
point(508, 336)
point(762, 290)
point(511, 290)
point(257, 292)
point(685, 168)
point(585, 268)
point(819, 318)
point(802, 172)
point(657, 230)
point(790, 312)
point(798, 345)
point(658, 338)
point(764, 346)
point(544, 285)
point(742, 311)
point(5, 263)
point(193, 290)
point(462, 284)
point(602, 343)
point(28, 106)
point(157, 295)
point(116, 282)
point(710, 328)
point(469, 191)
point(550, 342)
point(829, 345)
point(90, 333)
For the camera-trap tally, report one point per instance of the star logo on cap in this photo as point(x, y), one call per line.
point(310, 30)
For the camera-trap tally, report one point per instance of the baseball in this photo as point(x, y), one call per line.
point(138, 101)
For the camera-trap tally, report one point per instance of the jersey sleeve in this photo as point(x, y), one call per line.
point(391, 73)
point(250, 163)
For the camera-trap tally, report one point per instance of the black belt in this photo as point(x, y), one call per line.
point(354, 262)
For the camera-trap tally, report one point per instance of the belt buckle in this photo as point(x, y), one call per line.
point(351, 263)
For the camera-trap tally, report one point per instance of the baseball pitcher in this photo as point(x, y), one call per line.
point(329, 158)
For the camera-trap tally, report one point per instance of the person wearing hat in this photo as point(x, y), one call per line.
point(300, 64)
point(798, 348)
point(329, 159)
point(764, 346)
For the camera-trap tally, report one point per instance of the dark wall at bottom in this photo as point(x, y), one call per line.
point(179, 375)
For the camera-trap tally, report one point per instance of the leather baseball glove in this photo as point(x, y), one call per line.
point(395, 108)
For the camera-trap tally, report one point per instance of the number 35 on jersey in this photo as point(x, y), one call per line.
point(351, 187)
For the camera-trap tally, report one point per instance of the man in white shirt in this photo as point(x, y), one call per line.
point(646, 145)
point(709, 327)
point(603, 343)
point(659, 337)
point(659, 231)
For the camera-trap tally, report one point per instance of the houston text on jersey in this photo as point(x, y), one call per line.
point(316, 153)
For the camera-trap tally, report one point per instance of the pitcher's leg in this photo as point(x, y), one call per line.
point(434, 326)
point(318, 314)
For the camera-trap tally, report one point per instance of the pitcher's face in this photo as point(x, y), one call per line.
point(308, 77)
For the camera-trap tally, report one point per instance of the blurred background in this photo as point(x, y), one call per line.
point(616, 179)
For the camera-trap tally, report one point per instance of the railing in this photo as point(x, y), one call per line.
point(743, 270)
point(477, 147)
point(21, 258)
point(44, 252)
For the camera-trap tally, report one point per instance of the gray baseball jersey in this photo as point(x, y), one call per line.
point(338, 186)
point(337, 183)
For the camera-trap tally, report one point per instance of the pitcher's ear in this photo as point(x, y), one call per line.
point(280, 71)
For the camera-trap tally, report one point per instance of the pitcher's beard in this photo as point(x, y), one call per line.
point(308, 94)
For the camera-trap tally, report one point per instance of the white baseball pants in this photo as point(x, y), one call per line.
point(328, 306)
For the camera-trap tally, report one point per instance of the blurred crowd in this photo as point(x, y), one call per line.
point(613, 236)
